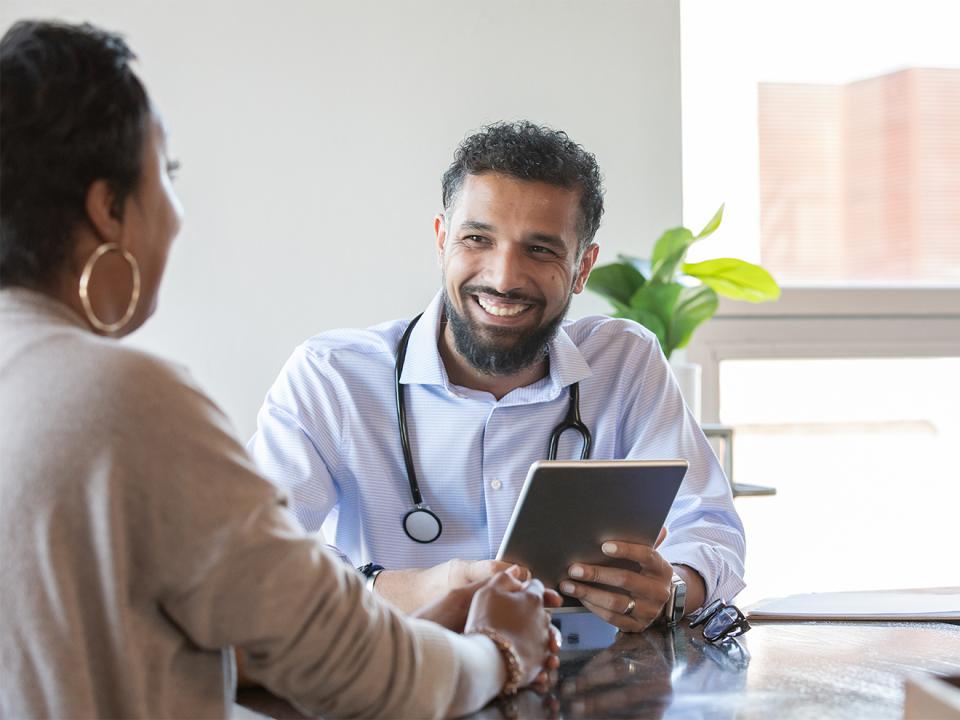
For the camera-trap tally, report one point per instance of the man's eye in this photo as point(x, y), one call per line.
point(476, 239)
point(541, 250)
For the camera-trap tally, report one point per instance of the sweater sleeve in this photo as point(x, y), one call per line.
point(230, 566)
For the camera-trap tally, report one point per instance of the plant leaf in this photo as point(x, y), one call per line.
point(695, 306)
point(641, 264)
point(735, 279)
point(668, 253)
point(657, 299)
point(622, 310)
point(712, 225)
point(617, 281)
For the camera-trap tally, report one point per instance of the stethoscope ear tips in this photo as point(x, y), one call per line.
point(422, 525)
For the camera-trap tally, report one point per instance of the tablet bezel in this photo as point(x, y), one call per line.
point(566, 527)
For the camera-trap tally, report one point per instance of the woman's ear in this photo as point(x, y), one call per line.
point(104, 211)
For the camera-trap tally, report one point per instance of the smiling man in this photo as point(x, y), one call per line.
point(484, 376)
point(511, 261)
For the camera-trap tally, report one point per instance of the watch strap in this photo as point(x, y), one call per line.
point(677, 602)
point(370, 571)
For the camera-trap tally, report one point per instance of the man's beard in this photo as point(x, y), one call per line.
point(498, 358)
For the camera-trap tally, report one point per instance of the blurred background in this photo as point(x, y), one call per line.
point(313, 136)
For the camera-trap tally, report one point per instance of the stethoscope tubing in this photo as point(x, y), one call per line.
point(571, 421)
point(402, 414)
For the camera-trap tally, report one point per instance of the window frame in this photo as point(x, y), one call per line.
point(826, 322)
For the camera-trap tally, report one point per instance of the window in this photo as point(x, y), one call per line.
point(832, 132)
point(862, 452)
point(846, 401)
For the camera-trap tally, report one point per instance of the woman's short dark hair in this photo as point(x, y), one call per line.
point(71, 112)
point(530, 152)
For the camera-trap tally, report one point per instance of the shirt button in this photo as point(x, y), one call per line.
point(496, 484)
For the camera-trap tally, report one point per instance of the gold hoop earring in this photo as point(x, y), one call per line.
point(102, 250)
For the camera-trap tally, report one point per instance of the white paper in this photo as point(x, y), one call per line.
point(926, 604)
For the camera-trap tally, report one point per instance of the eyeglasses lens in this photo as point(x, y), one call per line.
point(705, 613)
point(721, 623)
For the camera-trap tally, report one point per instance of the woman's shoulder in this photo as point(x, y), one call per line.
point(136, 386)
point(131, 369)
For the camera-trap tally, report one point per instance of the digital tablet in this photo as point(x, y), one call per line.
point(568, 509)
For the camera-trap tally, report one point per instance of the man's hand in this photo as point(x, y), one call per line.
point(642, 592)
point(457, 573)
point(410, 590)
point(648, 587)
point(451, 609)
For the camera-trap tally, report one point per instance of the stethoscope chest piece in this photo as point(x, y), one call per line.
point(422, 525)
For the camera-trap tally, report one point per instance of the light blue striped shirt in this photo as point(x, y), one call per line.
point(327, 433)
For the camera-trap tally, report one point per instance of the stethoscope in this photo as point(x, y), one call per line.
point(421, 524)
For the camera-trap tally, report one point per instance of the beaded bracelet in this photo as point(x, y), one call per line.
point(510, 660)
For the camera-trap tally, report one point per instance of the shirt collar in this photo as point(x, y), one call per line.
point(424, 366)
point(567, 363)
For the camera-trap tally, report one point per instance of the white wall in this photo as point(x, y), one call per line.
point(313, 135)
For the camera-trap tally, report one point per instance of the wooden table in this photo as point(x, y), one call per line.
point(777, 670)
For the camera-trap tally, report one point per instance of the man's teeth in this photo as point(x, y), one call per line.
point(502, 310)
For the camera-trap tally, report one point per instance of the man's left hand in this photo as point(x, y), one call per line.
point(641, 594)
point(451, 609)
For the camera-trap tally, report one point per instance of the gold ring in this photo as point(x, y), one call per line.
point(630, 607)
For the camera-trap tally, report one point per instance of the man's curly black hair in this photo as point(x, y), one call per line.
point(527, 151)
point(72, 111)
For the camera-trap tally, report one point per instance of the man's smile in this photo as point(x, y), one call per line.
point(495, 311)
point(501, 307)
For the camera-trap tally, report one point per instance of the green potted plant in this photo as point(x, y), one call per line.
point(672, 297)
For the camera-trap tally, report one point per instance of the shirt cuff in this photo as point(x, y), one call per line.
point(720, 579)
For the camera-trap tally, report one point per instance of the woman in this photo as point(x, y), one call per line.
point(137, 541)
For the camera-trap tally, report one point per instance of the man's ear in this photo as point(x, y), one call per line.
point(103, 211)
point(587, 261)
point(440, 230)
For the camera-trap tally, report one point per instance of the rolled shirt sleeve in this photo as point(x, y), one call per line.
point(704, 530)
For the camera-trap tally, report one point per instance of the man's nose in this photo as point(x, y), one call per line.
point(504, 270)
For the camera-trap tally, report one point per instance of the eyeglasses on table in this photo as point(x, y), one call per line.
point(720, 621)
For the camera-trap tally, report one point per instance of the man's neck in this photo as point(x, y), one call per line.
point(462, 373)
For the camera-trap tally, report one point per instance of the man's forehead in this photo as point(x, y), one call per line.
point(508, 182)
point(495, 194)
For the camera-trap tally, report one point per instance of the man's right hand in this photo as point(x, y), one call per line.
point(412, 589)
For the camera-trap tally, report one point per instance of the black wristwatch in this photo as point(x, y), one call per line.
point(677, 602)
point(370, 571)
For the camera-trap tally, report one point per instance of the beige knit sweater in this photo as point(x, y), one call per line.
point(138, 542)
